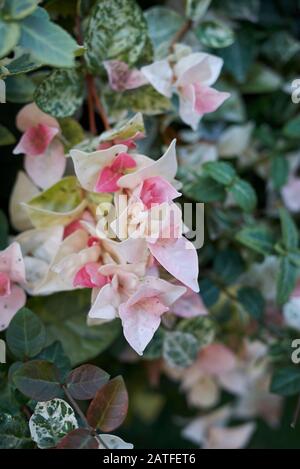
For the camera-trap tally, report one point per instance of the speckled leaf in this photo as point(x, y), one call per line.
point(51, 421)
point(125, 130)
point(201, 327)
point(60, 204)
point(115, 30)
point(180, 349)
point(14, 432)
point(115, 442)
point(146, 100)
point(214, 34)
point(61, 93)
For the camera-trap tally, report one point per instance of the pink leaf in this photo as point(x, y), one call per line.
point(156, 190)
point(5, 286)
point(179, 258)
point(36, 140)
point(47, 169)
point(89, 277)
point(10, 305)
point(107, 181)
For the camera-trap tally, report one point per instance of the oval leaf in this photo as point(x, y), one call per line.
point(26, 334)
point(108, 409)
point(85, 381)
point(38, 380)
point(80, 438)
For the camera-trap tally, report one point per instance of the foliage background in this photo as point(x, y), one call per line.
point(266, 107)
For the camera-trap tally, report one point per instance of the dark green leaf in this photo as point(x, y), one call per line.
point(3, 231)
point(286, 280)
point(252, 301)
point(279, 171)
point(209, 292)
point(26, 334)
point(55, 354)
point(289, 230)
point(244, 195)
point(224, 173)
point(286, 381)
point(260, 239)
point(6, 136)
point(214, 34)
point(229, 265)
point(292, 128)
point(205, 189)
point(38, 379)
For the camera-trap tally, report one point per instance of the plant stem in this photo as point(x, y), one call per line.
point(99, 106)
point(296, 414)
point(83, 417)
point(90, 100)
point(181, 33)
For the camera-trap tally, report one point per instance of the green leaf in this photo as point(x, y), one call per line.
point(280, 46)
point(72, 132)
point(163, 24)
point(3, 231)
point(85, 381)
point(180, 349)
point(252, 301)
point(292, 128)
point(229, 265)
point(196, 9)
point(60, 204)
point(55, 354)
point(9, 36)
point(203, 328)
point(38, 379)
point(51, 421)
point(109, 407)
point(279, 171)
point(214, 34)
point(125, 130)
point(19, 89)
point(244, 195)
point(261, 79)
point(224, 173)
point(260, 239)
point(239, 9)
point(115, 31)
point(294, 257)
point(286, 280)
point(209, 292)
point(17, 10)
point(61, 93)
point(14, 432)
point(145, 99)
point(80, 438)
point(22, 64)
point(26, 334)
point(47, 42)
point(286, 381)
point(153, 350)
point(205, 189)
point(64, 315)
point(289, 229)
point(239, 57)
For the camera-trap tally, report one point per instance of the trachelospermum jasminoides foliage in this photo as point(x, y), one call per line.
point(125, 113)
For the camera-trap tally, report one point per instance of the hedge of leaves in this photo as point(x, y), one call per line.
point(221, 369)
